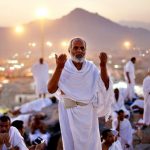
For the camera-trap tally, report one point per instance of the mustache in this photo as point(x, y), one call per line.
point(79, 56)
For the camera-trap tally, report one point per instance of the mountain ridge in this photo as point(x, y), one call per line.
point(98, 31)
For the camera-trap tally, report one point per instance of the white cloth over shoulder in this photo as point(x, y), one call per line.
point(119, 105)
point(41, 77)
point(16, 139)
point(86, 86)
point(36, 105)
point(129, 67)
point(146, 90)
point(79, 125)
point(116, 146)
point(125, 132)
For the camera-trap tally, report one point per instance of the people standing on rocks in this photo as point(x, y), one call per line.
point(84, 92)
point(129, 74)
point(41, 76)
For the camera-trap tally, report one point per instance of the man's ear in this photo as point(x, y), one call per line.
point(69, 50)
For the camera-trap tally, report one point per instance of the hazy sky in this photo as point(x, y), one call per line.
point(13, 12)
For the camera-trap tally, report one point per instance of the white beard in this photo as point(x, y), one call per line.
point(77, 60)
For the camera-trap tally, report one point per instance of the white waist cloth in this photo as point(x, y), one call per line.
point(69, 103)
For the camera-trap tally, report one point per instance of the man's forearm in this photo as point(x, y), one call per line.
point(118, 128)
point(53, 83)
point(104, 76)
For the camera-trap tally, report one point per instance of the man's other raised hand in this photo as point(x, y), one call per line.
point(60, 60)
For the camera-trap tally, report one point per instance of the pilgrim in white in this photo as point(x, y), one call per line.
point(85, 93)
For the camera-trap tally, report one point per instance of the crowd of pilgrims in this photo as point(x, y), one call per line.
point(20, 128)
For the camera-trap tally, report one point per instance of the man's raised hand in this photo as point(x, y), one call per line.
point(103, 59)
point(61, 60)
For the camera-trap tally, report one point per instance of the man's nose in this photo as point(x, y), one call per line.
point(79, 50)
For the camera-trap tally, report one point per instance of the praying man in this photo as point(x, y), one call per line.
point(86, 94)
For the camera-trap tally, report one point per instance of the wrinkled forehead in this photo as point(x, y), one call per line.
point(76, 41)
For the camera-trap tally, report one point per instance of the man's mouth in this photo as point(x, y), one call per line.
point(79, 56)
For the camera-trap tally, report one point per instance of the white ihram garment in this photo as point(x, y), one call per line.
point(139, 103)
point(41, 77)
point(119, 105)
point(125, 133)
point(16, 139)
point(79, 125)
point(129, 67)
point(36, 105)
point(116, 146)
point(146, 90)
point(28, 108)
